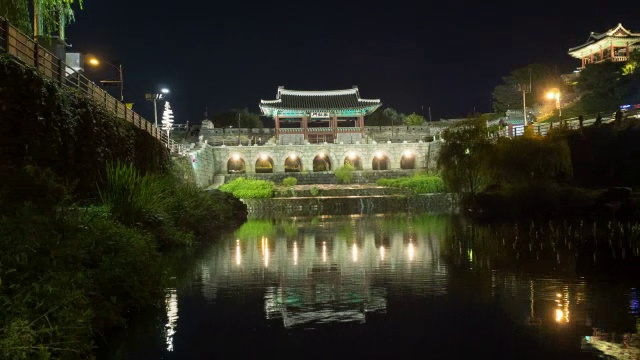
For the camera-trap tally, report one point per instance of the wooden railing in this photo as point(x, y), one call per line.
point(27, 51)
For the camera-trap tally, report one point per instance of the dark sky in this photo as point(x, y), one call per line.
point(446, 55)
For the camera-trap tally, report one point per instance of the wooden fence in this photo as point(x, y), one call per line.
point(27, 51)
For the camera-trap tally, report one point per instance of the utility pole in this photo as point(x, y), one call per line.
point(525, 89)
point(429, 113)
point(238, 128)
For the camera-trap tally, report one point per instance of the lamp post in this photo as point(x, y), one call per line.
point(95, 62)
point(555, 95)
point(154, 97)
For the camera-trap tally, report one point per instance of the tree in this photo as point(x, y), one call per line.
point(377, 118)
point(414, 120)
point(541, 77)
point(395, 117)
point(464, 156)
point(167, 118)
point(600, 86)
point(50, 17)
point(17, 12)
point(235, 117)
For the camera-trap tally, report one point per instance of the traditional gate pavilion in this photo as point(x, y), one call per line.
point(612, 45)
point(312, 117)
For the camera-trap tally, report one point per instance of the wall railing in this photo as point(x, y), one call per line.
point(27, 51)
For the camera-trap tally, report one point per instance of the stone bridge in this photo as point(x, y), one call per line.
point(211, 161)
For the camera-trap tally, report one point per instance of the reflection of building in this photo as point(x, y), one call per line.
point(329, 303)
point(324, 275)
point(318, 116)
point(612, 45)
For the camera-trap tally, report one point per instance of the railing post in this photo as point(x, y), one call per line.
point(62, 69)
point(6, 35)
point(36, 55)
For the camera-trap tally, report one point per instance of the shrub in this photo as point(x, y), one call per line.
point(290, 181)
point(243, 188)
point(344, 174)
point(315, 191)
point(421, 184)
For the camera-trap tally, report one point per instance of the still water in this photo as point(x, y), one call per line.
point(384, 286)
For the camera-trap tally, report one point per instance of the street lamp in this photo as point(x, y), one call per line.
point(154, 98)
point(95, 62)
point(555, 95)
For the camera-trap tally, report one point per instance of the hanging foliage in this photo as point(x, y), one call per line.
point(55, 13)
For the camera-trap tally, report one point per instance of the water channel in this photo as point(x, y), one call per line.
point(389, 285)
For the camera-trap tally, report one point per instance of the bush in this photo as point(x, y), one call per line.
point(243, 188)
point(315, 191)
point(421, 184)
point(344, 174)
point(290, 181)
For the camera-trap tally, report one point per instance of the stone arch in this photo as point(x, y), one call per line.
point(236, 164)
point(293, 162)
point(409, 159)
point(354, 158)
point(322, 161)
point(264, 163)
point(380, 160)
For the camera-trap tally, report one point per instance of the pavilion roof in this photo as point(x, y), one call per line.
point(619, 32)
point(325, 100)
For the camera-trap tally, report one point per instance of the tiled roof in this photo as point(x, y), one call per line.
point(618, 31)
point(318, 100)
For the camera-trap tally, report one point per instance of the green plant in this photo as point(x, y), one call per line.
point(315, 191)
point(420, 183)
point(132, 197)
point(290, 181)
point(243, 188)
point(344, 174)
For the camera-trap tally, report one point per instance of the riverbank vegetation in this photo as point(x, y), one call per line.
point(70, 270)
point(581, 172)
point(420, 183)
point(90, 207)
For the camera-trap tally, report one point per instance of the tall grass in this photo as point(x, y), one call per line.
point(420, 183)
point(243, 188)
point(132, 197)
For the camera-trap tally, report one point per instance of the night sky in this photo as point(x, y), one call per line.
point(219, 56)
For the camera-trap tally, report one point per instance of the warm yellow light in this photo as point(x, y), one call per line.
point(378, 154)
point(559, 315)
point(293, 156)
point(324, 251)
point(295, 253)
point(352, 155)
point(321, 155)
point(237, 252)
point(94, 61)
point(408, 153)
point(411, 251)
point(266, 252)
point(354, 252)
point(264, 157)
point(381, 252)
point(236, 157)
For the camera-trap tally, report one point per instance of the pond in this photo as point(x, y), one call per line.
point(389, 285)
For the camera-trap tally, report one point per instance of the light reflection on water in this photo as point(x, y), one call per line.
point(305, 274)
point(322, 276)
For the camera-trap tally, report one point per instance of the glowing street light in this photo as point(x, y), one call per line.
point(154, 98)
point(95, 62)
point(555, 95)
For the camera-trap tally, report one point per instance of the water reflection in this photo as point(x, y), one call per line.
point(428, 275)
point(327, 271)
point(171, 304)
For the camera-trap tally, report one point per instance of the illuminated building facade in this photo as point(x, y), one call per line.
point(303, 117)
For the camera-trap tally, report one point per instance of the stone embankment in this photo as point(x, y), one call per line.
point(312, 200)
